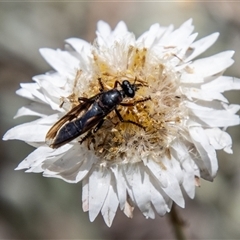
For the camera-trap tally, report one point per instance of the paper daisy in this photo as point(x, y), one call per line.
point(173, 126)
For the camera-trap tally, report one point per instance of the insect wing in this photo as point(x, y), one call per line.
point(92, 121)
point(70, 116)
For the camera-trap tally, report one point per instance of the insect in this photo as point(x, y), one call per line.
point(90, 114)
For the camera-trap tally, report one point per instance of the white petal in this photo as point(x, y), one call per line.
point(31, 132)
point(158, 172)
point(72, 166)
point(128, 210)
point(173, 190)
point(160, 200)
point(191, 78)
point(181, 152)
point(98, 189)
point(209, 66)
point(24, 92)
point(103, 28)
point(206, 151)
point(53, 77)
point(36, 169)
point(103, 34)
point(201, 45)
point(189, 183)
point(38, 156)
point(120, 29)
point(61, 61)
point(150, 37)
point(79, 45)
point(179, 36)
point(206, 95)
point(219, 139)
point(34, 109)
point(120, 185)
point(146, 201)
point(171, 184)
point(85, 53)
point(85, 194)
point(31, 91)
point(85, 167)
point(127, 171)
point(211, 117)
point(179, 51)
point(27, 132)
point(53, 94)
point(174, 167)
point(137, 181)
point(110, 205)
point(184, 46)
point(232, 108)
point(222, 84)
point(164, 34)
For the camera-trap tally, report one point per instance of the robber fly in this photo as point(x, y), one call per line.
point(93, 111)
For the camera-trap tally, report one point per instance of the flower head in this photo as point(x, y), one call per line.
point(173, 125)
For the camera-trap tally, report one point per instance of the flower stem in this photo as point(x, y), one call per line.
point(177, 223)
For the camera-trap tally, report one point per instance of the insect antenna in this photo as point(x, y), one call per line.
point(138, 85)
point(100, 84)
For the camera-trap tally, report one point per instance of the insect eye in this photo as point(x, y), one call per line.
point(125, 83)
point(128, 88)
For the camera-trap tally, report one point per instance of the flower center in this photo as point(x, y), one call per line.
point(160, 117)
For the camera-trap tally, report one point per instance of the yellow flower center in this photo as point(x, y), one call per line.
point(161, 116)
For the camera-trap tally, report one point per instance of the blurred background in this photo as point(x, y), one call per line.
point(33, 207)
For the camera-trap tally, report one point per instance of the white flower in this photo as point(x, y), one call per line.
point(124, 165)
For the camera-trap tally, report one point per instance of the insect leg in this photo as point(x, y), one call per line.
point(116, 83)
point(90, 133)
point(127, 121)
point(98, 126)
point(135, 102)
point(83, 99)
point(101, 85)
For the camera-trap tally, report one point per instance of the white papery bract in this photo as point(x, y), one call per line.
point(123, 165)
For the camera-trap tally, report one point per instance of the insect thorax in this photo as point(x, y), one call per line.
point(111, 99)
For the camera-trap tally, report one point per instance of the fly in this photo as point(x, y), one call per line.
point(93, 111)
